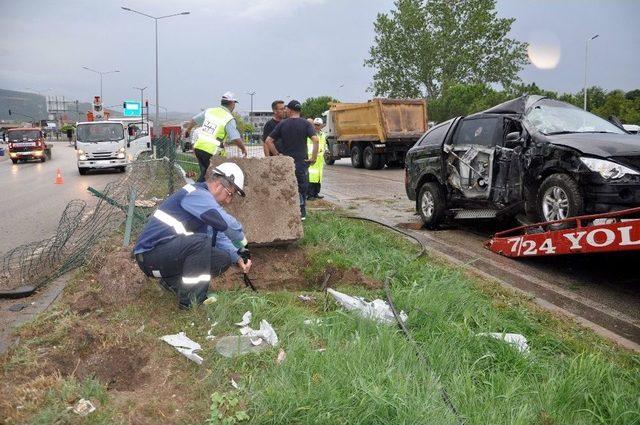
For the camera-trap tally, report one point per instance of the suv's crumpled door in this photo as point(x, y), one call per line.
point(470, 157)
point(508, 168)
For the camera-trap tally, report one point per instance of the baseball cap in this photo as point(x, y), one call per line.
point(229, 96)
point(318, 121)
point(294, 105)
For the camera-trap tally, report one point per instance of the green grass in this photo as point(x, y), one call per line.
point(188, 162)
point(370, 374)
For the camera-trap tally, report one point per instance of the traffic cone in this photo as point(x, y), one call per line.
point(58, 177)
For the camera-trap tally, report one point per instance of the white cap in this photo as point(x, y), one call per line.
point(318, 121)
point(233, 174)
point(230, 97)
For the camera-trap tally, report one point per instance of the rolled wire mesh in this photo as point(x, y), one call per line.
point(81, 228)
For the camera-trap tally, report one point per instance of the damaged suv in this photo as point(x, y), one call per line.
point(532, 154)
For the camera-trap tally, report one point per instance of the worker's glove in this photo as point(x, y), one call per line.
point(245, 254)
point(240, 244)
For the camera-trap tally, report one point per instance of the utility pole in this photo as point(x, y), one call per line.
point(142, 89)
point(101, 73)
point(586, 56)
point(156, 18)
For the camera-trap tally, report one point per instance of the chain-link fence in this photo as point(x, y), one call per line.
point(123, 205)
point(187, 159)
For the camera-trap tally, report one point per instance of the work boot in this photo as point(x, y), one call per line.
point(318, 196)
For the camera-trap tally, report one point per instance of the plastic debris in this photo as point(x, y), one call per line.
point(306, 298)
point(184, 345)
point(83, 407)
point(281, 356)
point(237, 345)
point(265, 333)
point(210, 299)
point(518, 341)
point(313, 321)
point(246, 319)
point(377, 309)
point(234, 384)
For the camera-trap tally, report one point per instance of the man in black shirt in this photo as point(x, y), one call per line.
point(293, 133)
point(277, 106)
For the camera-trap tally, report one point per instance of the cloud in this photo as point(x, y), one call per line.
point(266, 9)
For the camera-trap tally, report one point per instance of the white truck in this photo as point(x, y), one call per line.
point(109, 144)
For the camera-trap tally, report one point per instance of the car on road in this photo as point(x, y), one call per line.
point(28, 144)
point(546, 158)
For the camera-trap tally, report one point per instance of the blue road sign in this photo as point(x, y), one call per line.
point(132, 109)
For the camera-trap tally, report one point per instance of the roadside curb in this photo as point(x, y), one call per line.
point(34, 305)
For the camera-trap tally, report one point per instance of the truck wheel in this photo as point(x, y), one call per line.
point(381, 161)
point(559, 197)
point(43, 158)
point(82, 171)
point(356, 156)
point(122, 169)
point(328, 159)
point(431, 205)
point(370, 160)
point(15, 161)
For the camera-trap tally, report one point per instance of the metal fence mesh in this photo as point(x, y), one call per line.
point(145, 184)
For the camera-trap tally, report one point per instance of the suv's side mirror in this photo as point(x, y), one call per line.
point(513, 140)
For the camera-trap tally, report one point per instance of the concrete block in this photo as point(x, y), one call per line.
point(270, 213)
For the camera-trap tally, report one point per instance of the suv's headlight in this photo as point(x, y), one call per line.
point(607, 169)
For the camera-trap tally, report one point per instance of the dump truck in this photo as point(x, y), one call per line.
point(375, 133)
point(28, 144)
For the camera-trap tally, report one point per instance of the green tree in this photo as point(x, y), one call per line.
point(632, 95)
point(242, 125)
point(615, 103)
point(423, 46)
point(464, 99)
point(314, 106)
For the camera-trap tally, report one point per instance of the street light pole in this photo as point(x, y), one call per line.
point(251, 93)
point(101, 73)
point(156, 18)
point(142, 89)
point(586, 56)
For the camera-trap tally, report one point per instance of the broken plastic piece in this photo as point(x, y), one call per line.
point(184, 345)
point(234, 384)
point(235, 345)
point(83, 407)
point(316, 321)
point(246, 319)
point(281, 356)
point(265, 333)
point(306, 298)
point(518, 341)
point(377, 309)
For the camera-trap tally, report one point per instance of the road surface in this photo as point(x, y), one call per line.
point(31, 204)
point(602, 288)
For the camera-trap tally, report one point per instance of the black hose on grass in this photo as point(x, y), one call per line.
point(402, 326)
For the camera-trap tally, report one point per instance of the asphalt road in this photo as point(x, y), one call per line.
point(602, 288)
point(31, 204)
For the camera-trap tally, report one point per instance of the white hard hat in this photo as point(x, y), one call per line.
point(229, 96)
point(233, 174)
point(318, 121)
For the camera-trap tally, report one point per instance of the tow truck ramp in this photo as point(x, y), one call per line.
point(609, 232)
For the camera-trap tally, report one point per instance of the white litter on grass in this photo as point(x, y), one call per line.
point(518, 341)
point(184, 345)
point(313, 321)
point(234, 384)
point(246, 319)
point(306, 298)
point(377, 309)
point(281, 356)
point(83, 407)
point(265, 333)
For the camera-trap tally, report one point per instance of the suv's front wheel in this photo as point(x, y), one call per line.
point(559, 197)
point(431, 204)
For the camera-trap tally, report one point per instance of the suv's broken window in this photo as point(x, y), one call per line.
point(477, 131)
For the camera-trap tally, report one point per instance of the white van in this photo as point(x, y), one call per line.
point(108, 144)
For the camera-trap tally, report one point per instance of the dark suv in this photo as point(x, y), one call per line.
point(532, 154)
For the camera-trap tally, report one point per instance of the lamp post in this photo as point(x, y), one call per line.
point(586, 56)
point(101, 73)
point(166, 111)
point(142, 89)
point(156, 18)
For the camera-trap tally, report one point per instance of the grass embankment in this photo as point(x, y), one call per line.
point(343, 370)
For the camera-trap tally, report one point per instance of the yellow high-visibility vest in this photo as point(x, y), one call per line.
point(315, 170)
point(213, 130)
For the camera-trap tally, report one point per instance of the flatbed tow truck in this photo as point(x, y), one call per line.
point(588, 234)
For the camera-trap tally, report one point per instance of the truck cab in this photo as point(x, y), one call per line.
point(28, 144)
point(109, 144)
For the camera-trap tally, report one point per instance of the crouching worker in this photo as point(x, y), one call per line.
point(191, 238)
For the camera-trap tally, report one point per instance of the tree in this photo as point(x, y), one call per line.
point(616, 104)
point(464, 99)
point(314, 106)
point(242, 125)
point(424, 46)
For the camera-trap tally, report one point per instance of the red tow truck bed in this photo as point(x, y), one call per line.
point(609, 232)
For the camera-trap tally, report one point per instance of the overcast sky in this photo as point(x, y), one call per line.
point(277, 48)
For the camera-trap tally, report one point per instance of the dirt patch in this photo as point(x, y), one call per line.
point(274, 268)
point(120, 368)
point(352, 277)
point(120, 278)
point(411, 226)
